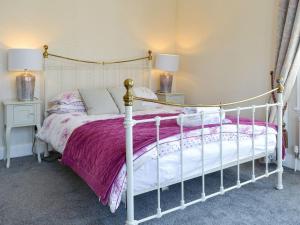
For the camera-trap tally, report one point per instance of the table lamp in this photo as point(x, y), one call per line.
point(167, 63)
point(25, 60)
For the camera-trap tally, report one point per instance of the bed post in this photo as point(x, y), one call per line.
point(279, 138)
point(128, 123)
point(150, 68)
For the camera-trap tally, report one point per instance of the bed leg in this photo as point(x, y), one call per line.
point(279, 184)
point(279, 135)
point(47, 150)
point(129, 123)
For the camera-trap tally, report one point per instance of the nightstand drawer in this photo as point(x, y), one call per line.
point(23, 114)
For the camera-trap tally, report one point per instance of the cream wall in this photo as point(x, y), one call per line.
point(227, 51)
point(226, 48)
point(94, 29)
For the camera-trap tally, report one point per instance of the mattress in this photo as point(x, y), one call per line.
point(57, 128)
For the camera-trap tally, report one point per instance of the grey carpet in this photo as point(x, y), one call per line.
point(49, 193)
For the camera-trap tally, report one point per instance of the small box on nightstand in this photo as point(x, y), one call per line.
point(171, 97)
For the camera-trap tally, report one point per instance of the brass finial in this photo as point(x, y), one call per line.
point(149, 54)
point(45, 54)
point(128, 97)
point(280, 85)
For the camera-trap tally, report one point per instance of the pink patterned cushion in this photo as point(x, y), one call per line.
point(66, 98)
point(67, 102)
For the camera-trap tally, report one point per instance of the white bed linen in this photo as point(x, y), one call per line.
point(57, 129)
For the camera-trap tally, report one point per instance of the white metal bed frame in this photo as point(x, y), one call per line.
point(59, 70)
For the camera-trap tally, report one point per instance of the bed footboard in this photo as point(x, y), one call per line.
point(129, 123)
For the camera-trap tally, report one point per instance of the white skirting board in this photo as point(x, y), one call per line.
point(18, 150)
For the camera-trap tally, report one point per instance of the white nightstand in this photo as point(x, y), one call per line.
point(20, 114)
point(171, 97)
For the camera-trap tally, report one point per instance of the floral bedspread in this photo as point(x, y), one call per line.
point(58, 128)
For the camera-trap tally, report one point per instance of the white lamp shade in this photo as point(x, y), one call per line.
point(167, 62)
point(25, 59)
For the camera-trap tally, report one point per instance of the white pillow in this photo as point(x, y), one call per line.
point(144, 92)
point(118, 93)
point(66, 102)
point(98, 101)
point(211, 116)
point(75, 107)
point(66, 97)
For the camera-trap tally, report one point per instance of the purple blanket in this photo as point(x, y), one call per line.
point(96, 150)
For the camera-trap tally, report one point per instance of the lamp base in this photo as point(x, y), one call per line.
point(25, 87)
point(166, 81)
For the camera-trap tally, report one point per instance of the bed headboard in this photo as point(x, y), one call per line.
point(64, 74)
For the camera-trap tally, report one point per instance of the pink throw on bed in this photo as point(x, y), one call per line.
point(96, 150)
